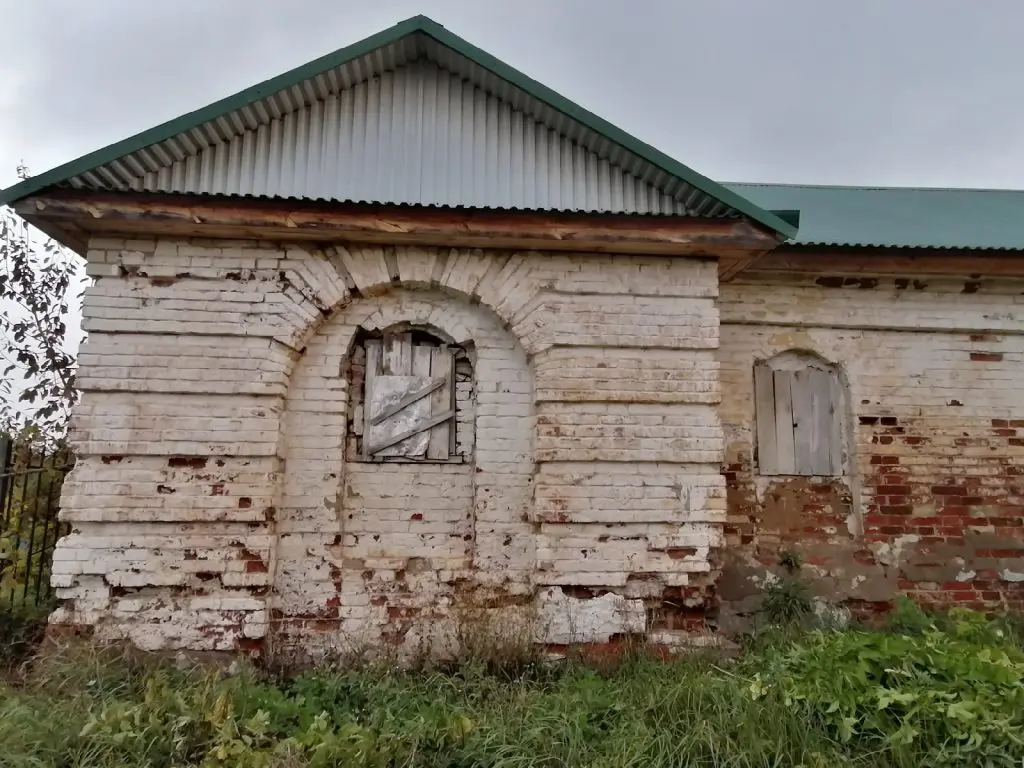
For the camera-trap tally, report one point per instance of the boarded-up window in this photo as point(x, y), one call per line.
point(408, 400)
point(798, 405)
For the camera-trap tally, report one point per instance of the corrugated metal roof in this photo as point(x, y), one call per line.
point(898, 217)
point(416, 135)
point(415, 115)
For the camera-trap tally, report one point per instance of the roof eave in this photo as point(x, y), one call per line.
point(782, 228)
point(235, 101)
point(598, 124)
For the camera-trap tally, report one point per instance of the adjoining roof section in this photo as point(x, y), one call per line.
point(898, 217)
point(428, 119)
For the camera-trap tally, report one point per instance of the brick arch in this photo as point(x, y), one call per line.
point(325, 595)
point(798, 356)
point(502, 281)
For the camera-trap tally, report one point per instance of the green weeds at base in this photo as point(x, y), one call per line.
point(928, 691)
point(21, 630)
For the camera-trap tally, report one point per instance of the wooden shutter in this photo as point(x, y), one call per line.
point(799, 421)
point(409, 404)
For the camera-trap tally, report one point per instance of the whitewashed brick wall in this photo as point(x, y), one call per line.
point(932, 506)
point(214, 506)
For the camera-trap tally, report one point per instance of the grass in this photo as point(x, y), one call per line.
point(21, 630)
point(806, 698)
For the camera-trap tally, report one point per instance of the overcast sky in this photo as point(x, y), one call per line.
point(890, 92)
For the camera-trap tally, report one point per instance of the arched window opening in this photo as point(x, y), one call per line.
point(412, 397)
point(798, 401)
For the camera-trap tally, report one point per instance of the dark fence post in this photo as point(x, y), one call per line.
point(6, 465)
point(30, 483)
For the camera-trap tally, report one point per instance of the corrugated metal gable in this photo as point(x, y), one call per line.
point(417, 135)
point(270, 140)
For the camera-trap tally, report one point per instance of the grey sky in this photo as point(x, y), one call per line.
point(900, 92)
point(889, 92)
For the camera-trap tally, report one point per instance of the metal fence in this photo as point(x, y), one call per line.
point(30, 483)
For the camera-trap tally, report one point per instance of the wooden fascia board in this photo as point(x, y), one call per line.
point(899, 262)
point(300, 220)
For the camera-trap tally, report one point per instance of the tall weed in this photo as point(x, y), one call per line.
point(945, 695)
point(935, 690)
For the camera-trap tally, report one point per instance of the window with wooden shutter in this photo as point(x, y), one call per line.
point(798, 408)
point(408, 399)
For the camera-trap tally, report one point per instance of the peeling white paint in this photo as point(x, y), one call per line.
point(591, 465)
point(564, 620)
point(890, 553)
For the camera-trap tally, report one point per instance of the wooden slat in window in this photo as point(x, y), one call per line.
point(398, 355)
point(442, 363)
point(785, 451)
point(804, 426)
point(373, 362)
point(823, 447)
point(764, 405)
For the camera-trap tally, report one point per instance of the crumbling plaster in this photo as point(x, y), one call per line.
point(213, 506)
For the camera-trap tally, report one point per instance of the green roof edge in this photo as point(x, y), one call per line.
point(199, 116)
point(429, 27)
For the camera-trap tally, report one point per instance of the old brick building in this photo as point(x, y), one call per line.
point(402, 333)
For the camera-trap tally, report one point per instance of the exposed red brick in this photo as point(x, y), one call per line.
point(192, 462)
point(950, 512)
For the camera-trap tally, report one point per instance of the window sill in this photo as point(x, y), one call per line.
point(407, 460)
point(794, 474)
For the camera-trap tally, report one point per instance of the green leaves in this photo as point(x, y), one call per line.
point(940, 696)
point(36, 277)
point(949, 696)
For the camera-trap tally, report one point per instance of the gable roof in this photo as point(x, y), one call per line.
point(590, 165)
point(898, 217)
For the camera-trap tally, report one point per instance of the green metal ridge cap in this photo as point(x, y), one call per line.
point(388, 36)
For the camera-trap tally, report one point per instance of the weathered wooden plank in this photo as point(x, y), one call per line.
point(802, 395)
point(442, 367)
point(730, 266)
point(373, 359)
point(785, 454)
point(408, 400)
point(398, 355)
point(453, 438)
point(265, 219)
point(388, 391)
point(412, 431)
point(764, 405)
point(821, 398)
point(421, 368)
point(421, 360)
point(837, 456)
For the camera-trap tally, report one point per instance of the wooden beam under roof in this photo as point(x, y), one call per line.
point(732, 241)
